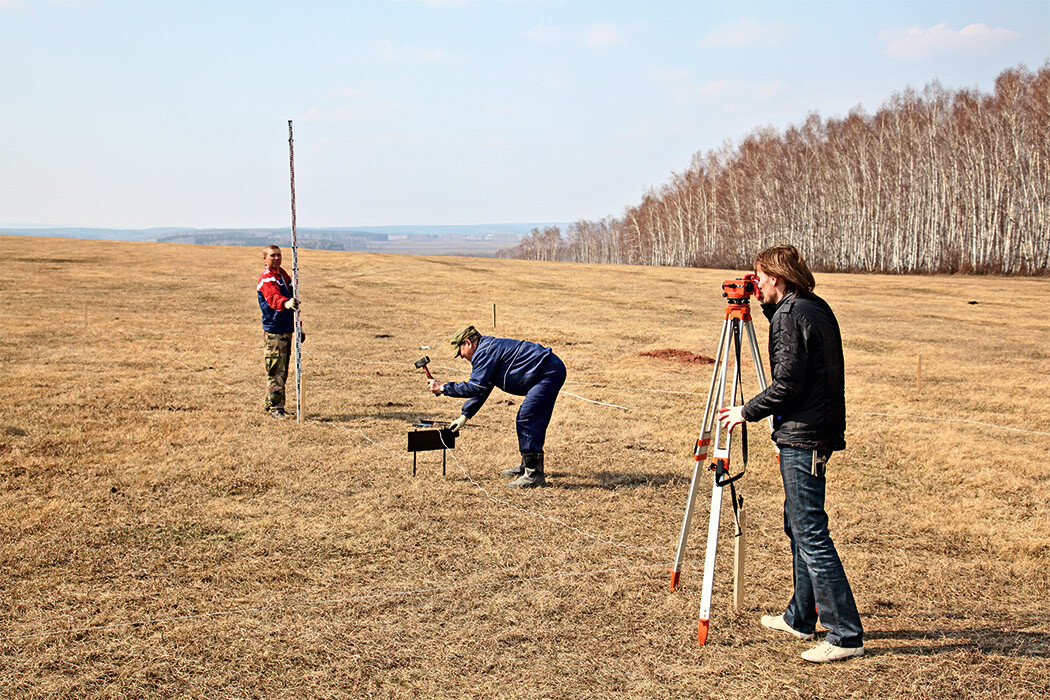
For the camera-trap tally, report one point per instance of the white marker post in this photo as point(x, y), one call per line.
point(295, 290)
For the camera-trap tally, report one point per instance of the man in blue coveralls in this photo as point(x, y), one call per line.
point(517, 367)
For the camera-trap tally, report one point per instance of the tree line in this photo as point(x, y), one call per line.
point(936, 180)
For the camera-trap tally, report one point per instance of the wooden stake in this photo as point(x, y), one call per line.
point(493, 314)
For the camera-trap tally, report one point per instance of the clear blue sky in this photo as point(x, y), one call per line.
point(140, 113)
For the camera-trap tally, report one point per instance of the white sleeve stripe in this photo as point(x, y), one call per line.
point(264, 281)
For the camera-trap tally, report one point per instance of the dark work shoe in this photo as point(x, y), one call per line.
point(532, 476)
point(529, 480)
point(515, 471)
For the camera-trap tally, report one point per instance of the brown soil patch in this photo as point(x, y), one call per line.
point(679, 356)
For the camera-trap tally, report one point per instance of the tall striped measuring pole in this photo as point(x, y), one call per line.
point(295, 290)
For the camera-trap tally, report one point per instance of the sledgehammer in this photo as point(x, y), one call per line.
point(422, 363)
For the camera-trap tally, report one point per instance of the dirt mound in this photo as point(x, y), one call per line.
point(678, 356)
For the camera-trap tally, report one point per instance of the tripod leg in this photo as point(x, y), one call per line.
point(709, 562)
point(749, 327)
point(721, 455)
point(699, 467)
point(700, 457)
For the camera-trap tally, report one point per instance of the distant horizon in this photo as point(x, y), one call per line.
point(426, 239)
point(355, 227)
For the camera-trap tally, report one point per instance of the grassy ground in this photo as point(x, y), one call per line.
point(160, 536)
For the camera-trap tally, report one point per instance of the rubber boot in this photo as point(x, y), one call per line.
point(533, 476)
point(515, 471)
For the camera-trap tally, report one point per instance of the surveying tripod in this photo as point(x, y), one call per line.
point(737, 321)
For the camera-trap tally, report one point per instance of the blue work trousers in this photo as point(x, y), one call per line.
point(535, 413)
point(820, 581)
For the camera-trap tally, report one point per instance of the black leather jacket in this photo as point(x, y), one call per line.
point(806, 395)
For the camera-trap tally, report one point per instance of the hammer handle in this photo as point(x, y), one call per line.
point(427, 370)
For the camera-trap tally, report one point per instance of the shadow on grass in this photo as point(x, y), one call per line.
point(608, 480)
point(987, 640)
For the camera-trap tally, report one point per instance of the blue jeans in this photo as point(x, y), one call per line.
point(820, 581)
point(535, 413)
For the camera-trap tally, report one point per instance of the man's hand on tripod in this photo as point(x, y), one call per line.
point(731, 416)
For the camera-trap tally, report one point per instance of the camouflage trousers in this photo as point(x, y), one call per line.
point(277, 351)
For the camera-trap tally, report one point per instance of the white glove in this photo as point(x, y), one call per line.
point(455, 425)
point(291, 304)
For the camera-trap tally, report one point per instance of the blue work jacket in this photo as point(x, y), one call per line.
point(512, 365)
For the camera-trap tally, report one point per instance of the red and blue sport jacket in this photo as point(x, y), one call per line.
point(274, 289)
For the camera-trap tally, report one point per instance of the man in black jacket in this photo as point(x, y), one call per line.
point(806, 398)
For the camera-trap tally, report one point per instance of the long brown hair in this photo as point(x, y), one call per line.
point(786, 263)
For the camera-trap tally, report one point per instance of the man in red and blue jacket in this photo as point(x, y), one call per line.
point(517, 367)
point(278, 305)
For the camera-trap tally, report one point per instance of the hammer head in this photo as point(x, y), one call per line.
point(422, 362)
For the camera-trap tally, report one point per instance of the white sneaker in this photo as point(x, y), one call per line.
point(826, 652)
point(776, 622)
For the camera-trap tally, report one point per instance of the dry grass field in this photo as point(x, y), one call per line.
point(160, 536)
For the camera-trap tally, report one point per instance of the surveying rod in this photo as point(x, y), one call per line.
point(295, 290)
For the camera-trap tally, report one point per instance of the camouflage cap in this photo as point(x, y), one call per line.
point(468, 333)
